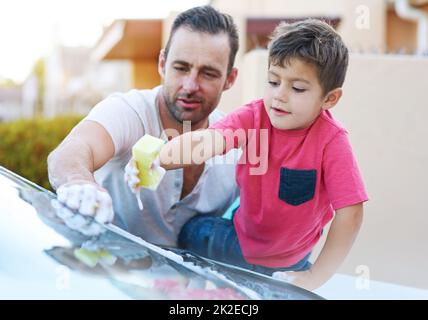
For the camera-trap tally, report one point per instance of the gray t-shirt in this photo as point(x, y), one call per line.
point(127, 117)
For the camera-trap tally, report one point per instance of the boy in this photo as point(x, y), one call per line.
point(310, 171)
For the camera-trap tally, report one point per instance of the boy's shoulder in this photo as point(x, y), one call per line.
point(254, 105)
point(251, 109)
point(329, 122)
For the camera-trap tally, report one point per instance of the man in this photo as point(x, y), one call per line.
point(196, 66)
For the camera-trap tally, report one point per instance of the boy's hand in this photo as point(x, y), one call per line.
point(132, 180)
point(88, 199)
point(131, 176)
point(302, 279)
point(132, 172)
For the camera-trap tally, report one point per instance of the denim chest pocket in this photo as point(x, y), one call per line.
point(297, 186)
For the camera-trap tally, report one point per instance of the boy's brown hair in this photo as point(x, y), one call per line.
point(314, 42)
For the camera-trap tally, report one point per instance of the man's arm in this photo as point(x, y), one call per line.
point(71, 169)
point(341, 236)
point(191, 148)
point(88, 147)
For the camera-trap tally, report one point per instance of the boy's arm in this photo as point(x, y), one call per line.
point(341, 236)
point(191, 148)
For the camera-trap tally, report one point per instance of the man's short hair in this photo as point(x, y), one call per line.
point(206, 19)
point(315, 42)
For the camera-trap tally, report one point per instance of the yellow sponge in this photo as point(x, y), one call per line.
point(91, 258)
point(145, 151)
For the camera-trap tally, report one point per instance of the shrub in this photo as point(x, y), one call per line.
point(25, 145)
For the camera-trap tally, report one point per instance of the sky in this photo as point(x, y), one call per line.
point(29, 28)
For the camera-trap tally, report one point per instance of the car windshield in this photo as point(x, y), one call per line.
point(43, 258)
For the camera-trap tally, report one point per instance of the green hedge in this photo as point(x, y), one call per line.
point(25, 145)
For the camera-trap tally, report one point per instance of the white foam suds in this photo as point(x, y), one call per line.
point(179, 259)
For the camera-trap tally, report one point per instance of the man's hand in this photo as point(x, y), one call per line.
point(88, 199)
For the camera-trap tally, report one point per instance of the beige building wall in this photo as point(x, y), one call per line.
point(145, 74)
point(353, 28)
point(369, 26)
point(278, 8)
point(384, 108)
point(233, 97)
point(363, 26)
point(366, 26)
point(362, 22)
point(401, 34)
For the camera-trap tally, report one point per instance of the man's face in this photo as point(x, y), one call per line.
point(293, 96)
point(195, 74)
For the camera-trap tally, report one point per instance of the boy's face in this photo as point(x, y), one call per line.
point(293, 97)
